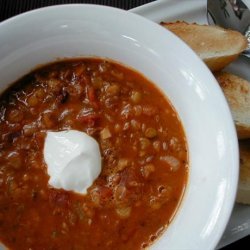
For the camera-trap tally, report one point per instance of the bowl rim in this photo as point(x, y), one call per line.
point(62, 6)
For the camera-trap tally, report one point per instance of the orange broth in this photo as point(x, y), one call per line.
point(143, 148)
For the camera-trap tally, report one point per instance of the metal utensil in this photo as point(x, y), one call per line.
point(231, 14)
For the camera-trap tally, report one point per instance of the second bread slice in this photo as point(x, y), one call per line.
point(237, 93)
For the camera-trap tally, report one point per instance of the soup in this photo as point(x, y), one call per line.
point(143, 148)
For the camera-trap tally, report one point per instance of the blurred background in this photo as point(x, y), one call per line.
point(10, 8)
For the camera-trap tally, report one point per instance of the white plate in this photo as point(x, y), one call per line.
point(195, 11)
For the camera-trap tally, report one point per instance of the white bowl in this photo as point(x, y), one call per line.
point(44, 35)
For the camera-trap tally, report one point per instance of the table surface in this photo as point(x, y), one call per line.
point(9, 8)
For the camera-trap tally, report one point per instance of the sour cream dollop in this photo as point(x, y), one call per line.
point(73, 160)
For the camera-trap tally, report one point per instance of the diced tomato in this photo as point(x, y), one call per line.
point(92, 97)
point(105, 193)
point(90, 119)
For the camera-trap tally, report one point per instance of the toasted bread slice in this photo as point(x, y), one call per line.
point(237, 92)
point(243, 192)
point(216, 46)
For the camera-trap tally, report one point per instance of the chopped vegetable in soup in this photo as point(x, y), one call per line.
point(143, 149)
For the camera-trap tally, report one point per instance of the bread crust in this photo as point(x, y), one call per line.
point(243, 192)
point(216, 46)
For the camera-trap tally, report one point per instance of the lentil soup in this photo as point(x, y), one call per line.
point(143, 148)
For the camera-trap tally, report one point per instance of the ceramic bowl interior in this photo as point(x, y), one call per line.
point(69, 31)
